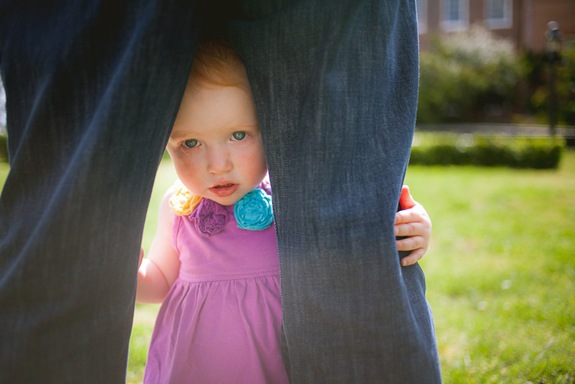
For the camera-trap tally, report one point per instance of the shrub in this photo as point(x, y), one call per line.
point(517, 152)
point(465, 74)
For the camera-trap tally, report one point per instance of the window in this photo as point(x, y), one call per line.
point(454, 15)
point(422, 16)
point(498, 13)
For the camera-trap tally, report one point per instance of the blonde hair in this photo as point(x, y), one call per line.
point(217, 63)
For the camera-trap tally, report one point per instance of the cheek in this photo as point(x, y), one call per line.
point(259, 166)
point(262, 164)
point(185, 169)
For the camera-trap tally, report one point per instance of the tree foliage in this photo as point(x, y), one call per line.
point(467, 76)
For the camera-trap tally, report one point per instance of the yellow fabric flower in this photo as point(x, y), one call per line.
point(183, 202)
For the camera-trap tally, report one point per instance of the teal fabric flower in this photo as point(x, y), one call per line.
point(254, 211)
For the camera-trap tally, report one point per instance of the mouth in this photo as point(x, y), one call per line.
point(227, 185)
point(224, 189)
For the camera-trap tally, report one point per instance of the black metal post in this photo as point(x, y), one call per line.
point(553, 48)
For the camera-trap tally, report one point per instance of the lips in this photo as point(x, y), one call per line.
point(224, 189)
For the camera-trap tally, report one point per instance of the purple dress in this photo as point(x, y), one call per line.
point(220, 322)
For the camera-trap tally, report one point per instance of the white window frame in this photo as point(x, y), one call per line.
point(504, 22)
point(422, 16)
point(462, 22)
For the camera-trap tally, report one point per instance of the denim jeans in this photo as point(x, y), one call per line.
point(335, 84)
point(93, 88)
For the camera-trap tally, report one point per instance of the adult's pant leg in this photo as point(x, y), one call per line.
point(92, 90)
point(336, 87)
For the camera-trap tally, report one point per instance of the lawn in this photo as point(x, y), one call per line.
point(500, 272)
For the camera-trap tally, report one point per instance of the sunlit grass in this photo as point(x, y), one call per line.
point(501, 271)
point(3, 173)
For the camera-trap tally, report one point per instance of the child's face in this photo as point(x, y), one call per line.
point(216, 145)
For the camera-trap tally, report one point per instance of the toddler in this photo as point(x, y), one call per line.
point(213, 262)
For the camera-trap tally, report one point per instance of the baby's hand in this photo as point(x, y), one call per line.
point(414, 223)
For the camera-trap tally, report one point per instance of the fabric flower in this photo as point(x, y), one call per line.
point(210, 218)
point(183, 202)
point(254, 211)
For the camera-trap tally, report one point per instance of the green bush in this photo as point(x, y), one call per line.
point(467, 149)
point(463, 75)
point(439, 154)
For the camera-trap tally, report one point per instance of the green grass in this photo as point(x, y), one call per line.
point(3, 173)
point(500, 272)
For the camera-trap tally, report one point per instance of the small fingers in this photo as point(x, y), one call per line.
point(413, 257)
point(410, 229)
point(411, 243)
point(417, 213)
point(405, 199)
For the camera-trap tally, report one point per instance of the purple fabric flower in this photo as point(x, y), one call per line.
point(210, 217)
point(254, 211)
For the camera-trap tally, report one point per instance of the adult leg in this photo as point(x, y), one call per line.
point(336, 87)
point(92, 90)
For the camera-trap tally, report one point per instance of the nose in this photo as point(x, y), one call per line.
point(219, 160)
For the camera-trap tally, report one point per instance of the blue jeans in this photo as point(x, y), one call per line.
point(93, 88)
point(336, 84)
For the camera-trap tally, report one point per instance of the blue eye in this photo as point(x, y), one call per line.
point(239, 135)
point(192, 143)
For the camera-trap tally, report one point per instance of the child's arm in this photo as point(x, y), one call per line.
point(160, 269)
point(414, 223)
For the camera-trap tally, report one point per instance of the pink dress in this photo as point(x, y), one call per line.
point(220, 322)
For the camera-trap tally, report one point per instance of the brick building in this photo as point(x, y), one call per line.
point(522, 21)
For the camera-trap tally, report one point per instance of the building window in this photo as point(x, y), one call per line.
point(422, 16)
point(499, 14)
point(454, 15)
